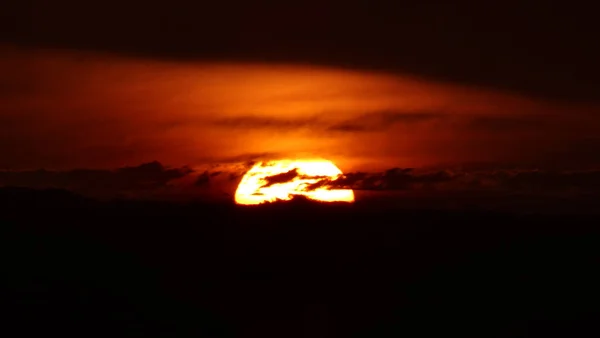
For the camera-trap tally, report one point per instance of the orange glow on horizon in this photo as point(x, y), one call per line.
point(255, 187)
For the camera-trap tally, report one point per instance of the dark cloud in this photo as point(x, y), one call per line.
point(381, 121)
point(146, 179)
point(143, 178)
point(347, 181)
point(258, 122)
point(203, 179)
point(280, 178)
point(391, 179)
point(234, 176)
point(403, 179)
point(152, 173)
point(374, 121)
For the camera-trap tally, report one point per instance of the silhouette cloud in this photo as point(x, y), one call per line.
point(145, 177)
point(150, 178)
point(391, 179)
point(281, 178)
point(203, 179)
point(396, 179)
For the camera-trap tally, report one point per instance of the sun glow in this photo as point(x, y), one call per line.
point(283, 179)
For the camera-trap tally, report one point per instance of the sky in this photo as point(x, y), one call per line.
point(66, 109)
point(430, 86)
point(538, 47)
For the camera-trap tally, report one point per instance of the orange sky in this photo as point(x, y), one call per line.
point(64, 109)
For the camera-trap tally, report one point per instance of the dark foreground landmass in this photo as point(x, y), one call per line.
point(73, 267)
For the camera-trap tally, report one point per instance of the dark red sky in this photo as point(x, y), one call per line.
point(539, 47)
point(107, 84)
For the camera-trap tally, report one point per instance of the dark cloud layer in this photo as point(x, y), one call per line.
point(203, 179)
point(382, 120)
point(391, 179)
point(398, 179)
point(521, 190)
point(152, 176)
point(145, 178)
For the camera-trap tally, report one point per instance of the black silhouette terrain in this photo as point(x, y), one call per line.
point(76, 267)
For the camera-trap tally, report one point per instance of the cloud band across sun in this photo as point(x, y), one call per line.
point(284, 179)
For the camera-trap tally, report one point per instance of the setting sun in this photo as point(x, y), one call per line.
point(284, 179)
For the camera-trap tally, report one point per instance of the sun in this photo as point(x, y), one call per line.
point(284, 179)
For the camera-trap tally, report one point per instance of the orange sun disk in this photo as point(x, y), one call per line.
point(256, 188)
